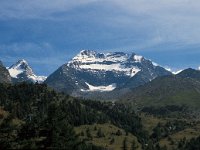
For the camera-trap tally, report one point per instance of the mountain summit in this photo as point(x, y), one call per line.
point(21, 71)
point(118, 62)
point(91, 72)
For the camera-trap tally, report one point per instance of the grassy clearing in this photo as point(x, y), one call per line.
point(112, 137)
point(149, 122)
point(188, 133)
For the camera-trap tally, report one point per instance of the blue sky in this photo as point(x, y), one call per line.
point(48, 33)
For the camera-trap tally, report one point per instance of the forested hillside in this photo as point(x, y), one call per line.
point(178, 90)
point(34, 116)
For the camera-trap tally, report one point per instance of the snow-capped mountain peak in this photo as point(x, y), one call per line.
point(20, 63)
point(88, 55)
point(20, 67)
point(21, 71)
point(91, 71)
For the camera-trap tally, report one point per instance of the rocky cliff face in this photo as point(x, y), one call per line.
point(4, 74)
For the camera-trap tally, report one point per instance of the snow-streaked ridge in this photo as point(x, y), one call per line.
point(87, 56)
point(177, 72)
point(113, 67)
point(39, 79)
point(116, 61)
point(102, 88)
point(173, 71)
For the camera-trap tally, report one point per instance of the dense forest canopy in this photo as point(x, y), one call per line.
point(35, 116)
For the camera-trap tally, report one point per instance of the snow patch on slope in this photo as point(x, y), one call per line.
point(173, 71)
point(15, 72)
point(112, 67)
point(138, 58)
point(39, 79)
point(99, 88)
point(155, 64)
point(168, 69)
point(177, 72)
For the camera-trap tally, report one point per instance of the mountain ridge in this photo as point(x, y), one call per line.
point(180, 89)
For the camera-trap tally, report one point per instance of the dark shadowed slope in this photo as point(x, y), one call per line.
point(4, 74)
point(180, 89)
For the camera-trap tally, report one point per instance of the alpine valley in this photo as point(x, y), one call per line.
point(100, 101)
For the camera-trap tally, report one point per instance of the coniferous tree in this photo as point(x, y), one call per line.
point(134, 145)
point(100, 133)
point(112, 140)
point(125, 146)
point(88, 133)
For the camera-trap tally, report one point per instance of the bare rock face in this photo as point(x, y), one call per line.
point(4, 74)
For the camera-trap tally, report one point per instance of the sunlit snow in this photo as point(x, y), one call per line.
point(38, 79)
point(91, 60)
point(177, 72)
point(22, 67)
point(14, 72)
point(113, 67)
point(138, 58)
point(99, 88)
point(155, 64)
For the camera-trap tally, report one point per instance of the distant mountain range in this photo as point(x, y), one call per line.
point(114, 76)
